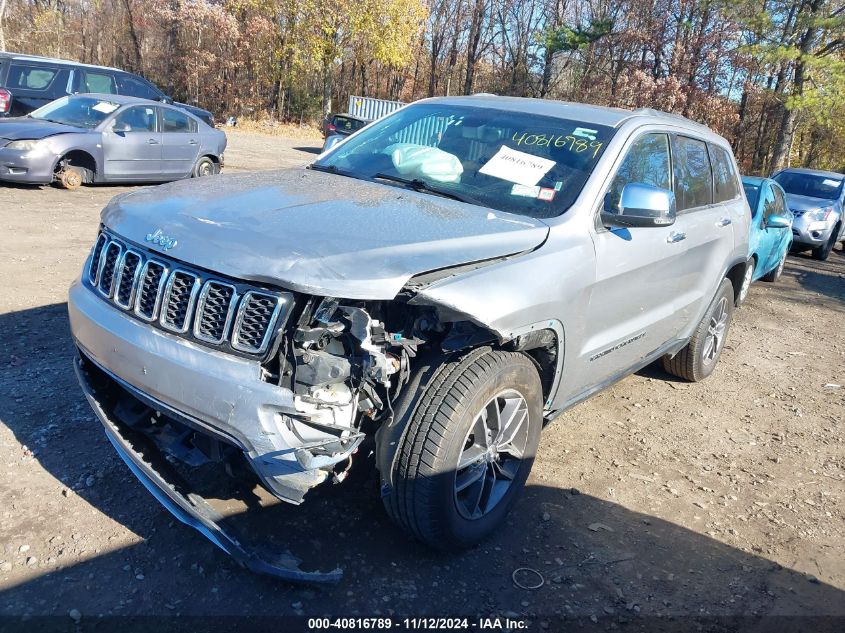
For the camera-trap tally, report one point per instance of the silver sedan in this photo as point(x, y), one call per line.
point(95, 138)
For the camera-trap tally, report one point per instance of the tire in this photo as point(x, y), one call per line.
point(821, 253)
point(204, 167)
point(441, 429)
point(746, 282)
point(697, 360)
point(774, 274)
point(70, 177)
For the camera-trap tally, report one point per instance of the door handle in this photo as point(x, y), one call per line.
point(192, 142)
point(152, 141)
point(723, 222)
point(676, 236)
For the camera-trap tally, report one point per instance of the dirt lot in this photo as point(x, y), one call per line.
point(654, 498)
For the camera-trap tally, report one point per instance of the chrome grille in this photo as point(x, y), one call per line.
point(127, 279)
point(96, 254)
point(230, 315)
point(178, 302)
point(214, 309)
point(149, 292)
point(256, 315)
point(108, 266)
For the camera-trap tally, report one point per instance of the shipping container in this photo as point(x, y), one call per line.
point(370, 108)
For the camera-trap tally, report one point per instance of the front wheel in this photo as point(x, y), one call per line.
point(70, 177)
point(468, 449)
point(698, 359)
point(746, 282)
point(821, 253)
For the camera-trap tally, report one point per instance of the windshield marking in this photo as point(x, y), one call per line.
point(575, 144)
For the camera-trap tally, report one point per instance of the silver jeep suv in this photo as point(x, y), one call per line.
point(434, 288)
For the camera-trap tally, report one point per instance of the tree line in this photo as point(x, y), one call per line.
point(767, 74)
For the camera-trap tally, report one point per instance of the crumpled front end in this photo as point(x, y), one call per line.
point(219, 356)
point(185, 365)
point(205, 369)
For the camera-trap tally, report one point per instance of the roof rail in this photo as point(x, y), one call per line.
point(56, 60)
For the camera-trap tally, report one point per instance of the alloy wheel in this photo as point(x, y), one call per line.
point(492, 454)
point(715, 332)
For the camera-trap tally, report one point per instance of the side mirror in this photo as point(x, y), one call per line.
point(778, 222)
point(120, 128)
point(642, 206)
point(166, 99)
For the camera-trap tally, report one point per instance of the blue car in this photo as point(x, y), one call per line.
point(771, 231)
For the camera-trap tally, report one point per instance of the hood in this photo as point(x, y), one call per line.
point(315, 232)
point(807, 203)
point(20, 128)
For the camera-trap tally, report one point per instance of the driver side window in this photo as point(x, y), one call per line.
point(647, 162)
point(770, 204)
point(137, 119)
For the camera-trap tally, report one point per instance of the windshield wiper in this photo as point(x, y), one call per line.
point(331, 169)
point(418, 184)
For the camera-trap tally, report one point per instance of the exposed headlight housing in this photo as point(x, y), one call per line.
point(819, 215)
point(23, 146)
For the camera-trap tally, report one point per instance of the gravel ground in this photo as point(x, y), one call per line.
point(654, 498)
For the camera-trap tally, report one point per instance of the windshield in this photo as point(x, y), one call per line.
point(506, 160)
point(812, 185)
point(752, 192)
point(86, 112)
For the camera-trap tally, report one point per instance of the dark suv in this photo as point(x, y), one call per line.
point(28, 82)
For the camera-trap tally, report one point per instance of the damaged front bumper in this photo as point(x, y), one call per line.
point(216, 395)
point(189, 507)
point(221, 395)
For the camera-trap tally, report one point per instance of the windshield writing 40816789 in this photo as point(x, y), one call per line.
point(561, 141)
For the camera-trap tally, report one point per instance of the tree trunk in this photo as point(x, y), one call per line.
point(2, 30)
point(786, 130)
point(327, 88)
point(473, 42)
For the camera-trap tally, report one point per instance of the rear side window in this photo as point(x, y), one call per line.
point(133, 87)
point(693, 176)
point(98, 82)
point(725, 179)
point(647, 162)
point(30, 77)
point(174, 121)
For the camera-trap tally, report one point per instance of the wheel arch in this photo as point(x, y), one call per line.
point(736, 273)
point(86, 158)
point(542, 343)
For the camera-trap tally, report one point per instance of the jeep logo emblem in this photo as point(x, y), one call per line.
point(161, 239)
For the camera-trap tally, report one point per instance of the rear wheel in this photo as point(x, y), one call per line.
point(774, 275)
point(204, 167)
point(697, 360)
point(821, 253)
point(468, 449)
